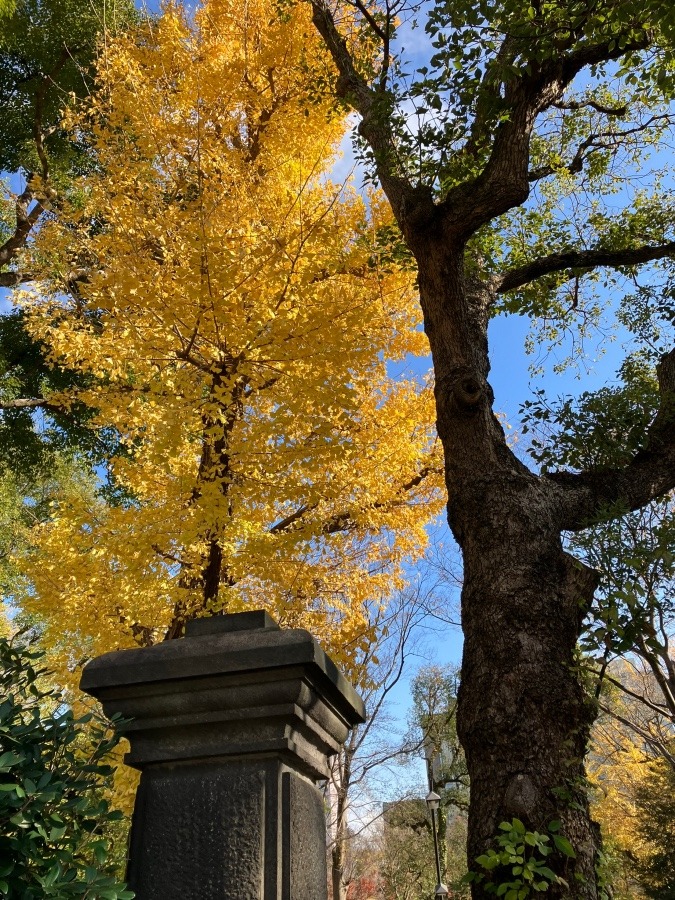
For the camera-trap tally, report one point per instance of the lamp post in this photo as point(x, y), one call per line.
point(433, 801)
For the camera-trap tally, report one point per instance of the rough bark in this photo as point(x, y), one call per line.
point(523, 718)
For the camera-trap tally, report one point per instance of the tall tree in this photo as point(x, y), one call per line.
point(655, 806)
point(635, 616)
point(237, 319)
point(532, 118)
point(631, 772)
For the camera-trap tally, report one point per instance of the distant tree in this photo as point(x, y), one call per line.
point(47, 54)
point(434, 720)
point(373, 752)
point(631, 753)
point(407, 862)
point(655, 808)
point(634, 616)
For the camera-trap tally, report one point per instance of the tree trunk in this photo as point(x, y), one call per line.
point(339, 889)
point(523, 718)
point(341, 782)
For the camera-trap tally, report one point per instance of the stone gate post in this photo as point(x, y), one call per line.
point(231, 727)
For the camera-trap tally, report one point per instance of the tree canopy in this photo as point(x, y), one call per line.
point(235, 317)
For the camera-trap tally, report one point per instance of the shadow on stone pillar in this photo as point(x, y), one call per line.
point(231, 727)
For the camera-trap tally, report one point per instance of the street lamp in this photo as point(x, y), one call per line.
point(433, 801)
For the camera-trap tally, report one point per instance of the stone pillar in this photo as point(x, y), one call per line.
point(231, 727)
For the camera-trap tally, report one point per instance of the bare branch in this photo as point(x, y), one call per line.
point(375, 125)
point(660, 747)
point(655, 707)
point(593, 104)
point(24, 403)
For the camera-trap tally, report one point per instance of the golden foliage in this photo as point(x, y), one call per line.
point(621, 763)
point(240, 319)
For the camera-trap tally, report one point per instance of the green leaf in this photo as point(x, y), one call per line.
point(9, 759)
point(548, 873)
point(564, 846)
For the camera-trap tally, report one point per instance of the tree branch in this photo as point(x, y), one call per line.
point(652, 740)
point(26, 217)
point(581, 259)
point(585, 497)
point(25, 403)
point(607, 140)
point(12, 279)
point(368, 16)
point(659, 710)
point(375, 127)
point(504, 182)
point(285, 524)
point(344, 521)
point(593, 104)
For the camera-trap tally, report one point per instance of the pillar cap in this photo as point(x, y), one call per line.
point(235, 684)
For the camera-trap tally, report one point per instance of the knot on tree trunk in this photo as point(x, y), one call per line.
point(466, 390)
point(520, 797)
point(418, 212)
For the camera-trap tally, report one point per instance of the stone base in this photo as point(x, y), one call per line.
point(229, 829)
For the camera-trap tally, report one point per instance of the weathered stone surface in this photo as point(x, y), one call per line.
point(198, 831)
point(244, 621)
point(231, 727)
point(303, 820)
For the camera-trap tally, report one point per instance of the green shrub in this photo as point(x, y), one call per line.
point(53, 779)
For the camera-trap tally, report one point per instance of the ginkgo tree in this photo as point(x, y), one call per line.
point(238, 320)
